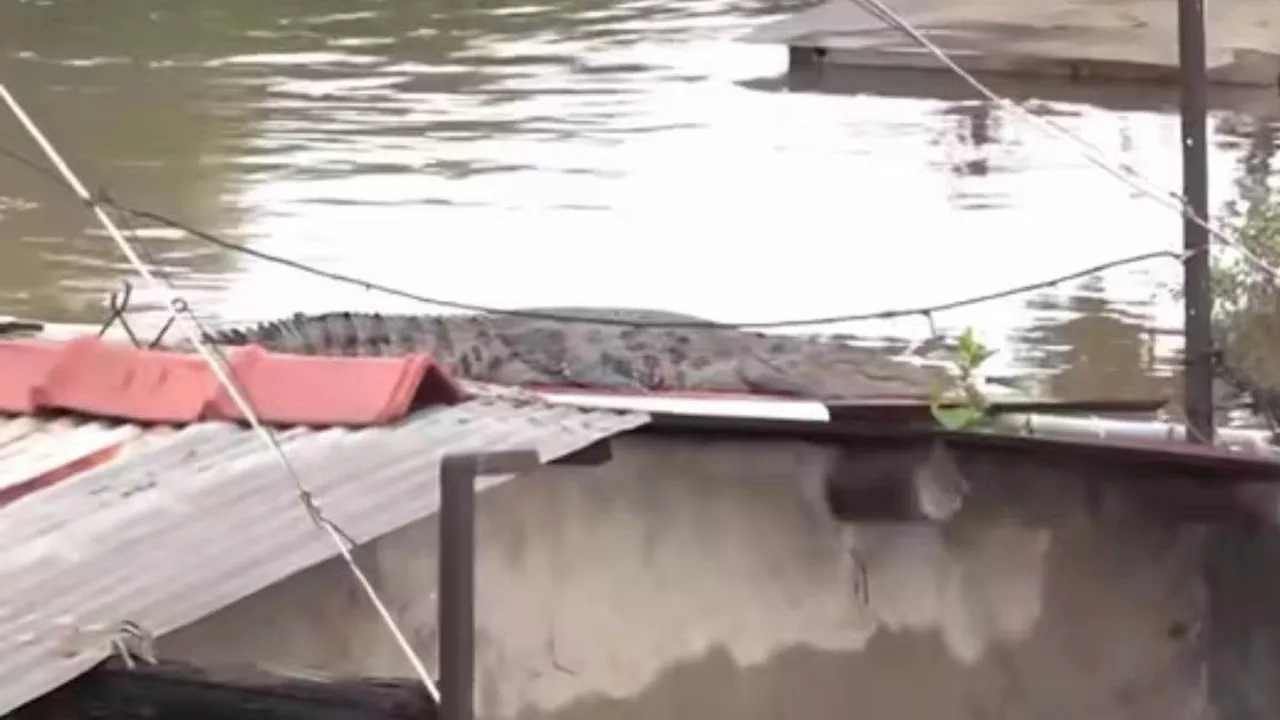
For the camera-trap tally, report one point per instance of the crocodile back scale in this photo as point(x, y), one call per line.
point(519, 350)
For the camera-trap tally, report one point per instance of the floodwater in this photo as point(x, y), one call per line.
point(588, 152)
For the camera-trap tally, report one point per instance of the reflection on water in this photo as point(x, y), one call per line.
point(1092, 344)
point(591, 152)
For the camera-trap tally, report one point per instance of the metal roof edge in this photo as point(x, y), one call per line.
point(704, 405)
point(81, 557)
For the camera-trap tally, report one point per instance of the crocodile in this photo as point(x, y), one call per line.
point(615, 349)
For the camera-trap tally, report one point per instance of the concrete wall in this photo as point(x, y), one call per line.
point(695, 579)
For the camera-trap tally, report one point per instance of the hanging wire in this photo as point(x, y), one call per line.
point(1129, 176)
point(925, 311)
point(880, 11)
point(1264, 400)
point(195, 333)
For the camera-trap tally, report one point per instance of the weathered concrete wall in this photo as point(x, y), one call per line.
point(708, 580)
point(1242, 646)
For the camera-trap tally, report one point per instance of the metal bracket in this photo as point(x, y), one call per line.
point(456, 624)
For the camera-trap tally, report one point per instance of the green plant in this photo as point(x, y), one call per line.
point(1247, 295)
point(959, 404)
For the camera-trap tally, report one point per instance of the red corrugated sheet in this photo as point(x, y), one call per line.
point(119, 381)
point(23, 366)
point(304, 390)
point(89, 377)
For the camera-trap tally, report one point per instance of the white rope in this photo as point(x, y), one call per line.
point(194, 334)
point(1129, 176)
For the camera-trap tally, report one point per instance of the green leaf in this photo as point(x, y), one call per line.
point(958, 418)
point(971, 351)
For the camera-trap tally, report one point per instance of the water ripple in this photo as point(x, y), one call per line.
point(625, 153)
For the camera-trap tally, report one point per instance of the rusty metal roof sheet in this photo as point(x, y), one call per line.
point(190, 520)
point(38, 451)
point(92, 377)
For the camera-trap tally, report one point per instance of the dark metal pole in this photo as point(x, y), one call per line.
point(456, 620)
point(1198, 298)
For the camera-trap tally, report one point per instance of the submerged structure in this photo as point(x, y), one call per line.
point(1133, 40)
point(775, 551)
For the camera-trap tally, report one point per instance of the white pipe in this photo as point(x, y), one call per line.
point(1071, 427)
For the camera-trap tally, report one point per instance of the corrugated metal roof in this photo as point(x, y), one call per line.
point(91, 377)
point(191, 522)
point(35, 451)
point(29, 445)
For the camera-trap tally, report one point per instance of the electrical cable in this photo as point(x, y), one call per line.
point(195, 335)
point(926, 311)
point(1129, 176)
point(196, 332)
point(1263, 399)
point(880, 11)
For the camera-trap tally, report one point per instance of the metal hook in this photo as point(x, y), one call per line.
point(136, 641)
point(130, 640)
point(117, 305)
point(178, 307)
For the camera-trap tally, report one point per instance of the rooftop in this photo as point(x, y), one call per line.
point(1118, 40)
point(120, 465)
point(98, 379)
point(106, 518)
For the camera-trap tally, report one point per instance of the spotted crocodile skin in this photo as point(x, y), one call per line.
point(515, 350)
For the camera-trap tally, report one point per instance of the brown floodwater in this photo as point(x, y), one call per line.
point(590, 152)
